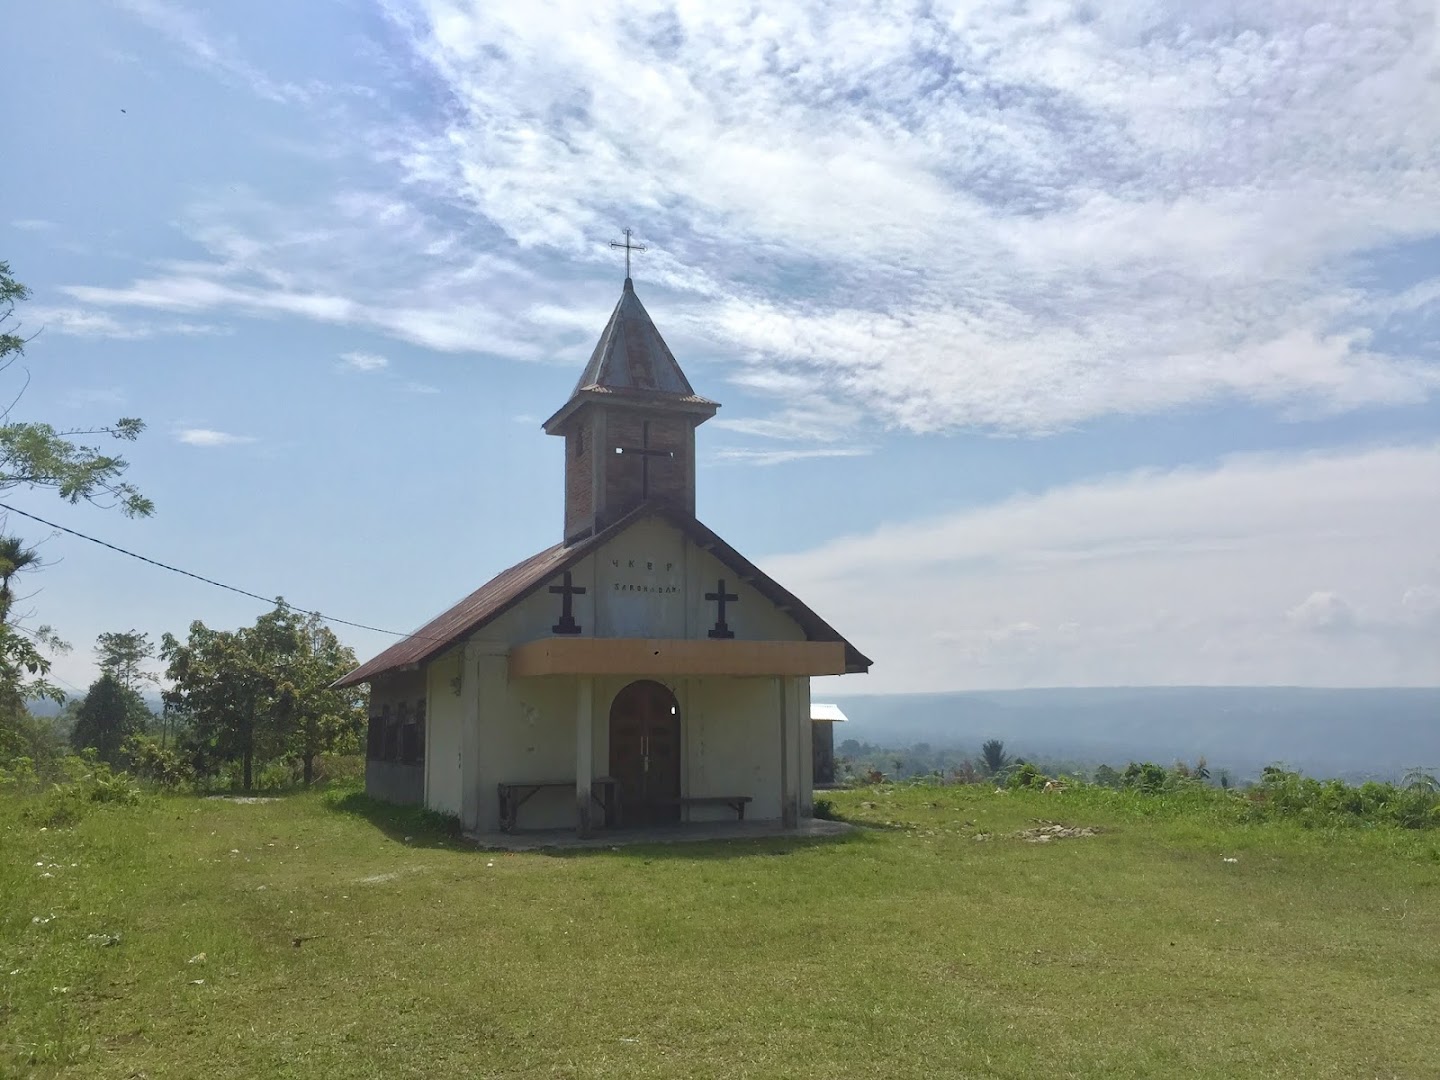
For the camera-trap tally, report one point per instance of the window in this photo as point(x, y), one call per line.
point(391, 749)
point(412, 737)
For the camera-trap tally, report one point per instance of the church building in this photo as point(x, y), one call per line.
point(641, 671)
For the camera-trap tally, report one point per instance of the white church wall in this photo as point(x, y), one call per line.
point(443, 713)
point(641, 583)
point(650, 581)
point(527, 733)
point(750, 618)
point(535, 616)
point(731, 738)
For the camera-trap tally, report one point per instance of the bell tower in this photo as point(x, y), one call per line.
point(629, 426)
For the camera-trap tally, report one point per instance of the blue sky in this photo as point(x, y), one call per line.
point(1058, 343)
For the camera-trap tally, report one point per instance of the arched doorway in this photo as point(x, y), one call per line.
point(645, 752)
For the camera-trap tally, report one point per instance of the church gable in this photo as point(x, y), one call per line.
point(649, 580)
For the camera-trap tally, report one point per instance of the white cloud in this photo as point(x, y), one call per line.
point(77, 322)
point(1010, 218)
point(210, 437)
point(32, 224)
point(1323, 611)
point(1188, 576)
point(186, 30)
point(364, 361)
point(746, 455)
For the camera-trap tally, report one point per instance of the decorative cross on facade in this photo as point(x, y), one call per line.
point(629, 247)
point(567, 591)
point(720, 596)
point(645, 452)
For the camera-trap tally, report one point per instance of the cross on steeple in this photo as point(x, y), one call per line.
point(645, 452)
point(721, 629)
point(629, 247)
point(567, 623)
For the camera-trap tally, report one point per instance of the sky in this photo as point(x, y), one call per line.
point(1058, 344)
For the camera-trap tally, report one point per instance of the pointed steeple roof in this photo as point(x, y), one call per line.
point(632, 361)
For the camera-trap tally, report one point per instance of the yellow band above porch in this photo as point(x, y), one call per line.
point(655, 656)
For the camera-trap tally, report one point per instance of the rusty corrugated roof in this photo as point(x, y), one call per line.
point(631, 354)
point(508, 588)
point(632, 363)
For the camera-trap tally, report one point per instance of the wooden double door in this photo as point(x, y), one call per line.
point(645, 753)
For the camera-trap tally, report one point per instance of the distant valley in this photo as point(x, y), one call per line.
point(1355, 733)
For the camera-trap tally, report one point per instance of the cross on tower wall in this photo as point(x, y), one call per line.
point(656, 463)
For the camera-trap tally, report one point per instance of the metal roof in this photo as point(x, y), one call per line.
point(632, 364)
point(821, 711)
point(508, 588)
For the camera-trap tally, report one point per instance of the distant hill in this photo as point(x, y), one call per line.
point(1350, 733)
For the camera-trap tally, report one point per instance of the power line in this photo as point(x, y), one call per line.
point(201, 577)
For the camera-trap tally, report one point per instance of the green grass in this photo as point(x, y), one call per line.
point(910, 949)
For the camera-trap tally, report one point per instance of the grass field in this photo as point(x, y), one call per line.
point(306, 937)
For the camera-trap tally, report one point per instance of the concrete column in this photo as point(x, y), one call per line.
point(469, 737)
point(483, 694)
point(805, 732)
point(584, 752)
point(789, 802)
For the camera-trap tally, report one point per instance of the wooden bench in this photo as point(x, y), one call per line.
point(604, 790)
point(734, 802)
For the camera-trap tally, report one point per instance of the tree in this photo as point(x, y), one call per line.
point(121, 653)
point(109, 715)
point(265, 690)
point(322, 719)
point(1105, 776)
point(37, 455)
point(993, 758)
point(217, 686)
point(14, 557)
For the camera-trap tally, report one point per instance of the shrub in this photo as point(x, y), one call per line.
point(825, 810)
point(1146, 776)
point(154, 763)
point(1314, 803)
point(1026, 776)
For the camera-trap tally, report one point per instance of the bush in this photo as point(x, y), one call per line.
point(825, 810)
point(153, 763)
point(1320, 803)
point(1026, 776)
point(93, 784)
point(1146, 776)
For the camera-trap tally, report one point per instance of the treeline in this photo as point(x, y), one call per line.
point(858, 762)
point(1279, 793)
point(238, 705)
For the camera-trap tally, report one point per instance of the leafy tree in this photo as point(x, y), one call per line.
point(110, 714)
point(1105, 776)
point(308, 658)
point(122, 652)
point(993, 758)
point(14, 557)
point(218, 687)
point(38, 455)
point(264, 690)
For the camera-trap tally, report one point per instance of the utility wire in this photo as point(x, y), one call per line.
point(201, 577)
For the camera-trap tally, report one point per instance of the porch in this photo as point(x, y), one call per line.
point(570, 839)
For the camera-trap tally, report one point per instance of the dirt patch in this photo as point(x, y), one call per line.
point(246, 800)
point(1050, 830)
